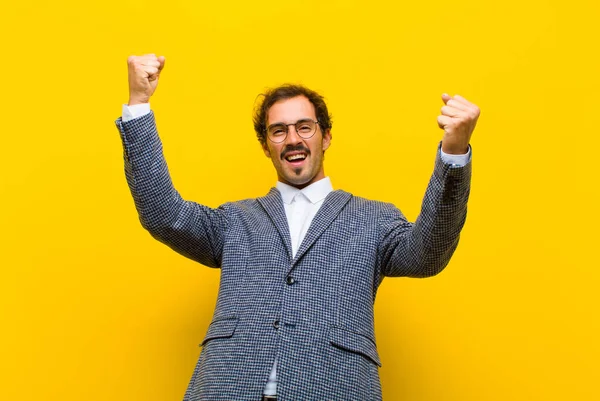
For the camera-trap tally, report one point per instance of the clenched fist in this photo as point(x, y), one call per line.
point(458, 120)
point(143, 77)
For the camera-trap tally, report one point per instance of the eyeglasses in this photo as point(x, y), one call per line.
point(305, 128)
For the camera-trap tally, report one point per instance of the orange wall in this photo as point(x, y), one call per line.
point(92, 308)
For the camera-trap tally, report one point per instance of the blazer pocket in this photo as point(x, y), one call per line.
point(223, 327)
point(354, 342)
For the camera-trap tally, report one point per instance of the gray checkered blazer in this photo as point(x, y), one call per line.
point(312, 312)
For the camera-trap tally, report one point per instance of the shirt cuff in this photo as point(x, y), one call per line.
point(456, 160)
point(135, 111)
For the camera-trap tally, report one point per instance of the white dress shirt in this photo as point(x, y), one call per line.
point(300, 206)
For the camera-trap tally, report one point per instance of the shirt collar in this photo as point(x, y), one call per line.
point(315, 192)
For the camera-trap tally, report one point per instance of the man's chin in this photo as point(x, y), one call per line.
point(297, 180)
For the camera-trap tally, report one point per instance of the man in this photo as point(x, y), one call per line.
point(300, 267)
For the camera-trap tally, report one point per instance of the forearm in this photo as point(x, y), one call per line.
point(147, 174)
point(424, 248)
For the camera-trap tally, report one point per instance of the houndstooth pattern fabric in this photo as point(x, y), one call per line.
point(313, 312)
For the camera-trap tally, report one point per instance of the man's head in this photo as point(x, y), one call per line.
point(298, 155)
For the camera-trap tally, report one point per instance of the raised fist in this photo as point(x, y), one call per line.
point(458, 120)
point(143, 76)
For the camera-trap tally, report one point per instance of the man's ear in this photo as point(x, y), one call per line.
point(265, 149)
point(326, 139)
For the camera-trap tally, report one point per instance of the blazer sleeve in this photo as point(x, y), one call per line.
point(424, 248)
point(193, 230)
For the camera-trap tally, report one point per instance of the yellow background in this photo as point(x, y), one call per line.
point(92, 308)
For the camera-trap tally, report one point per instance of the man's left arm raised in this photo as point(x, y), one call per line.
point(424, 248)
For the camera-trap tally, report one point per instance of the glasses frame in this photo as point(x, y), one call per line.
point(287, 130)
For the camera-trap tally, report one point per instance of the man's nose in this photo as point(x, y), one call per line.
point(292, 135)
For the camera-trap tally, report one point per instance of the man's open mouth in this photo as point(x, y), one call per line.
point(295, 157)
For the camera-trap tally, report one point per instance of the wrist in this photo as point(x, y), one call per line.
point(133, 100)
point(455, 149)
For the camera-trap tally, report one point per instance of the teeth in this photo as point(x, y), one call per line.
point(296, 157)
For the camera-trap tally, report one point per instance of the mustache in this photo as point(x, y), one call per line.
point(294, 148)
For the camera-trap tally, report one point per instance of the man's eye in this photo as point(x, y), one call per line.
point(277, 131)
point(305, 128)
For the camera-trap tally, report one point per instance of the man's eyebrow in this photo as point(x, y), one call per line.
point(274, 124)
point(304, 119)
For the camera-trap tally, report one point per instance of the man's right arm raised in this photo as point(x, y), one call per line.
point(193, 230)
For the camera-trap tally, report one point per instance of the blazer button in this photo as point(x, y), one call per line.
point(290, 280)
point(276, 324)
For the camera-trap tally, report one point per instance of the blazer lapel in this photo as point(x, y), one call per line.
point(332, 206)
point(273, 205)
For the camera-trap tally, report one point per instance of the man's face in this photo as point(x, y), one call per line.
point(300, 172)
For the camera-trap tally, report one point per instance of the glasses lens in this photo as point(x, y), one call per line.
point(305, 128)
point(277, 132)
